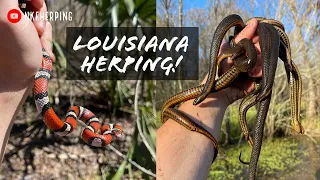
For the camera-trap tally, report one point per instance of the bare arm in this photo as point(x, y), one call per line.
point(182, 154)
point(20, 49)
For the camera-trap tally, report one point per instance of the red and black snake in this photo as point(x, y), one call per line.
point(90, 133)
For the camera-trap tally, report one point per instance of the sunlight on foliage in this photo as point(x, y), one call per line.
point(278, 155)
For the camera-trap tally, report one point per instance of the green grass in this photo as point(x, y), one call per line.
point(278, 155)
point(235, 130)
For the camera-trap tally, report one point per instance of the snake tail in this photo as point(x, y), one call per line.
point(243, 162)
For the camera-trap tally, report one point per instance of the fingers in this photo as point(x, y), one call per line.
point(7, 5)
point(249, 86)
point(257, 70)
point(40, 24)
point(43, 27)
point(243, 87)
point(249, 31)
point(255, 39)
point(224, 47)
point(46, 40)
point(233, 93)
point(36, 4)
point(227, 63)
point(239, 90)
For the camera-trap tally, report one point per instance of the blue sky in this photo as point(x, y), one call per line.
point(258, 8)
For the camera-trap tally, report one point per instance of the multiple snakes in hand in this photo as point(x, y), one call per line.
point(240, 65)
point(270, 42)
point(53, 122)
point(274, 43)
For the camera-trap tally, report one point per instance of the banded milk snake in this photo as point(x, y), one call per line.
point(62, 128)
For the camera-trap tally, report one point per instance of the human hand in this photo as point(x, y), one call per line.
point(21, 55)
point(20, 45)
point(238, 89)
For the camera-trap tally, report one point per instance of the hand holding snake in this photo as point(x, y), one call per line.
point(274, 43)
point(176, 146)
point(20, 45)
point(239, 88)
point(90, 133)
point(21, 57)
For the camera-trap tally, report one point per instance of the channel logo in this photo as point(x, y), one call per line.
point(14, 15)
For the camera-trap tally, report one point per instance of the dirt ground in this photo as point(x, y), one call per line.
point(33, 152)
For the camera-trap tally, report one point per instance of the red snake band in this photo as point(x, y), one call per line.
point(90, 132)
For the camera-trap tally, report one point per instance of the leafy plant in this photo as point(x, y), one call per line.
point(278, 155)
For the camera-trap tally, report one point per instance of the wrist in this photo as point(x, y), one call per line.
point(209, 113)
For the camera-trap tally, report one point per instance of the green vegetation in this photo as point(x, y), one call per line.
point(278, 155)
point(114, 100)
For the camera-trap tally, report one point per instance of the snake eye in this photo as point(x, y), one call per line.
point(116, 131)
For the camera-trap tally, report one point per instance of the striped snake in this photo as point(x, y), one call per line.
point(274, 43)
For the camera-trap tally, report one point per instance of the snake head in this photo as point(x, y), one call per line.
point(200, 98)
point(244, 64)
point(248, 58)
point(117, 130)
point(114, 130)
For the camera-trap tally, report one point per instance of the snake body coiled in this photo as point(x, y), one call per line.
point(53, 122)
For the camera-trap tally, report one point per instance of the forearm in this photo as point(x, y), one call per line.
point(12, 96)
point(182, 154)
point(21, 57)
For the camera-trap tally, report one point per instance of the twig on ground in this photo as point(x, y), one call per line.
point(130, 161)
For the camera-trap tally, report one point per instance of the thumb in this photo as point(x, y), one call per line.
point(46, 40)
point(249, 31)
